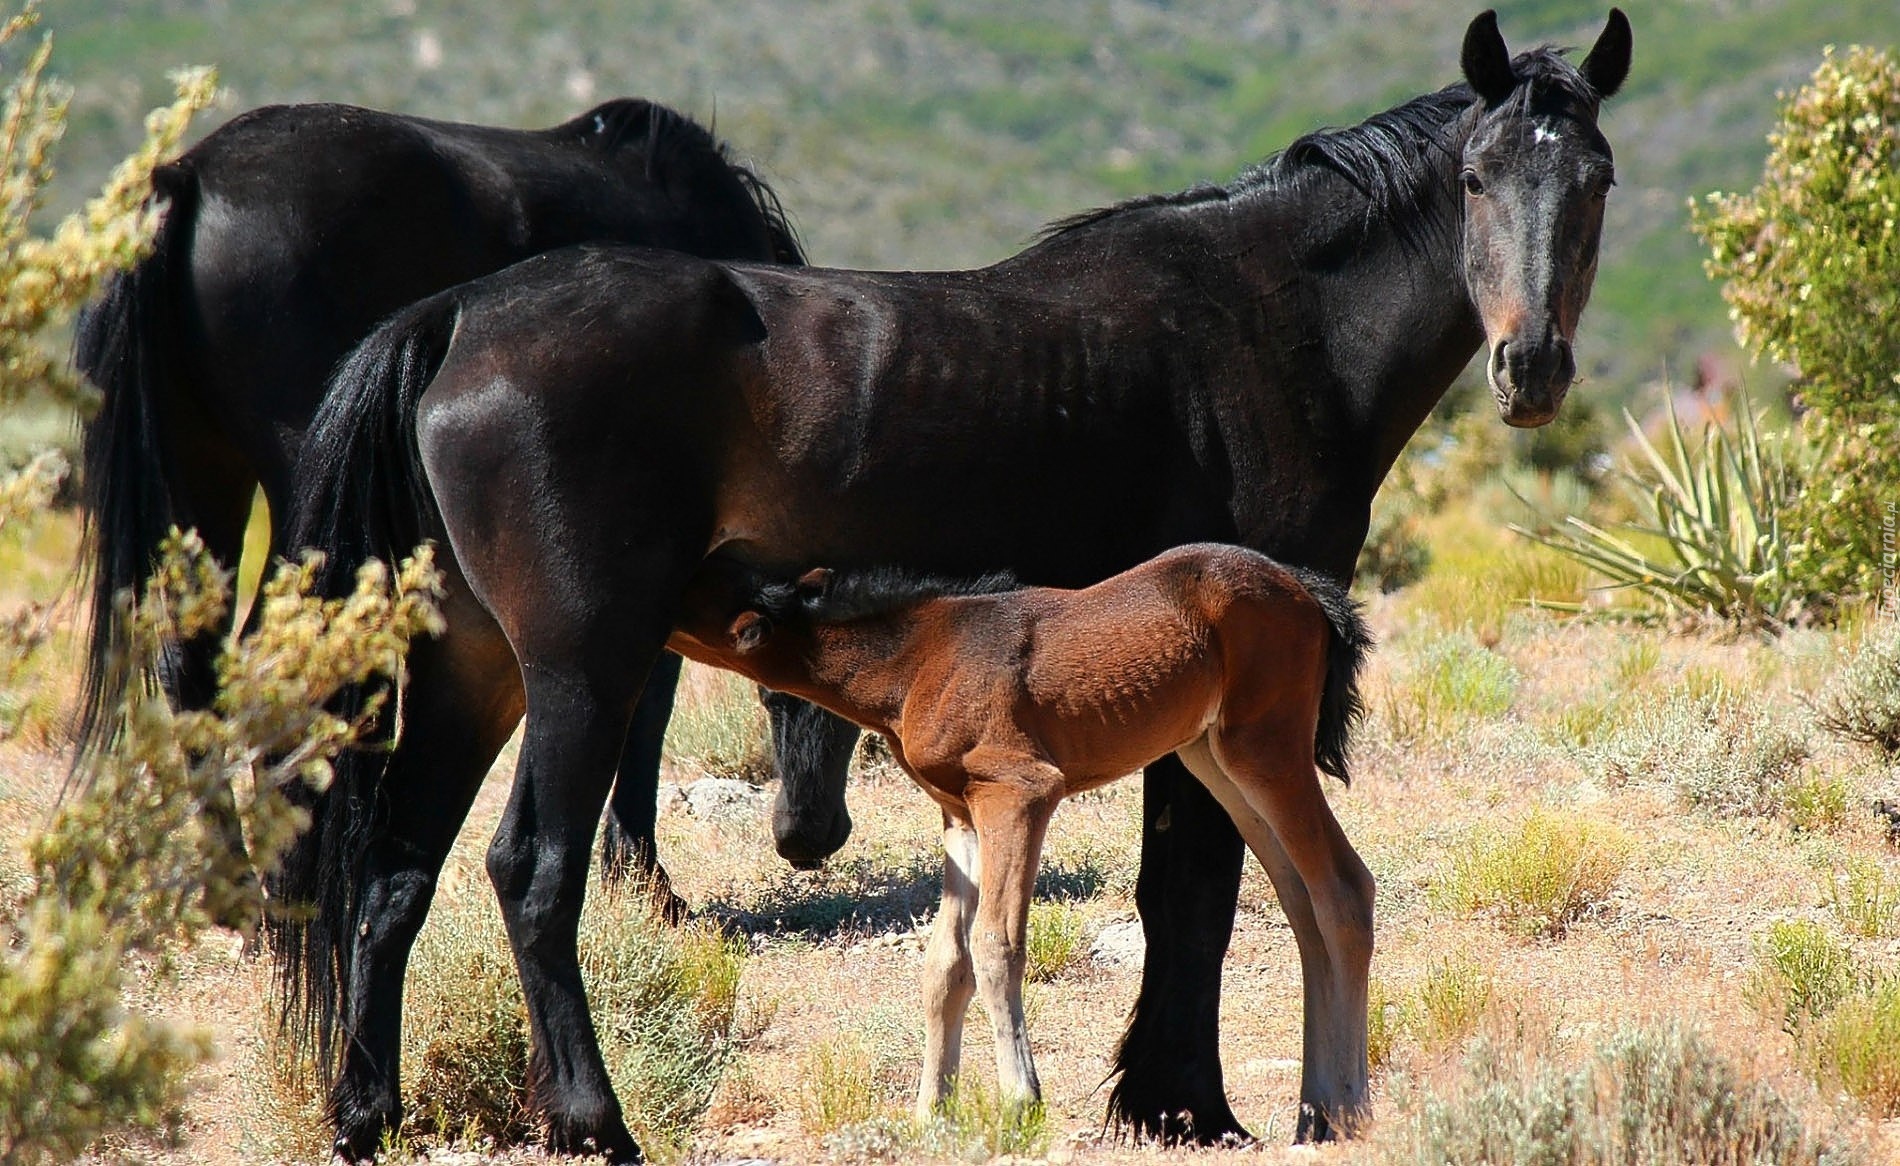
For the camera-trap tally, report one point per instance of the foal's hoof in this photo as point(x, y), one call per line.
point(605, 1137)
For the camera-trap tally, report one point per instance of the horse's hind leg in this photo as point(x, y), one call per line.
point(1264, 775)
point(949, 982)
point(628, 846)
point(463, 700)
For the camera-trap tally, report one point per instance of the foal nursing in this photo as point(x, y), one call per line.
point(1001, 701)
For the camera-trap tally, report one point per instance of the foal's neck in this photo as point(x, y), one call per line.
point(861, 669)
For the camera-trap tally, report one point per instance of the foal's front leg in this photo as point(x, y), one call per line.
point(948, 980)
point(1011, 819)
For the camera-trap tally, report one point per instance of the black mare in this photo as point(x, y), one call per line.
point(289, 233)
point(1236, 363)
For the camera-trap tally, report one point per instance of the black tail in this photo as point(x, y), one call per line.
point(120, 345)
point(361, 494)
point(1339, 707)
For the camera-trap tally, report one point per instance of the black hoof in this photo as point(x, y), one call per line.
point(1313, 1126)
point(604, 1137)
point(361, 1122)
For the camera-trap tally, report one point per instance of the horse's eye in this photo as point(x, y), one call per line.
point(1603, 187)
point(1473, 186)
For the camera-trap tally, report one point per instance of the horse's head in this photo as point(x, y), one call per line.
point(1535, 174)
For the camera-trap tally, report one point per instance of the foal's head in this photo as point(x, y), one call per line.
point(1535, 173)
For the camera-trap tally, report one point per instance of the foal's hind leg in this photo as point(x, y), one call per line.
point(1264, 775)
point(949, 981)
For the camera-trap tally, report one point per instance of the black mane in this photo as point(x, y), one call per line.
point(1391, 157)
point(873, 591)
point(672, 141)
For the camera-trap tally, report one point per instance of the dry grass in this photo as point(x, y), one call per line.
point(832, 958)
point(1540, 877)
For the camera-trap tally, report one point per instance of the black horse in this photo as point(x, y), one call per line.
point(290, 232)
point(1236, 363)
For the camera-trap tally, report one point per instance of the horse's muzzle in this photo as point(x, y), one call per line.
point(1529, 377)
point(804, 842)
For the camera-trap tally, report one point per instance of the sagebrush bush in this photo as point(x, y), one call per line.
point(465, 1030)
point(1810, 264)
point(1722, 753)
point(1660, 1096)
point(1862, 702)
point(664, 999)
point(1539, 877)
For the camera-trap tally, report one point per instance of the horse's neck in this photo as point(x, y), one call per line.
point(1391, 311)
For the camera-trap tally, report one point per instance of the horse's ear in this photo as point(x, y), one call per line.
point(1486, 62)
point(1609, 60)
point(815, 581)
point(749, 630)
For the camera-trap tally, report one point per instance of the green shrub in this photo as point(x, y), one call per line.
point(1539, 877)
point(1864, 900)
point(839, 1086)
point(1810, 260)
point(1802, 972)
point(465, 1034)
point(1396, 552)
point(1857, 1046)
point(1054, 941)
point(664, 1002)
point(1816, 803)
point(1452, 680)
point(1862, 702)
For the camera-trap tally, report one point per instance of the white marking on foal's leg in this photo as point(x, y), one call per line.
point(949, 979)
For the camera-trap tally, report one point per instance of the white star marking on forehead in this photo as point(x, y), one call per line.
point(1544, 133)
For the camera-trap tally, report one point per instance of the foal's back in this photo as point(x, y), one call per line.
point(1113, 676)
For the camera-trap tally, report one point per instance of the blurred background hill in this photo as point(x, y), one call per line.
point(930, 133)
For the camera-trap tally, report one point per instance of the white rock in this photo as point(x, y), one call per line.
point(1119, 945)
point(716, 798)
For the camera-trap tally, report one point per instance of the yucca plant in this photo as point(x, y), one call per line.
point(1710, 540)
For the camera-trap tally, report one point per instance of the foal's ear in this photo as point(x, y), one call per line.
point(1486, 62)
point(816, 581)
point(749, 630)
point(1609, 60)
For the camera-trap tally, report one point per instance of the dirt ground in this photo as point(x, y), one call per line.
point(1678, 937)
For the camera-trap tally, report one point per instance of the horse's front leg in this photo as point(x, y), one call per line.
point(1168, 1067)
point(949, 981)
point(1011, 816)
point(577, 721)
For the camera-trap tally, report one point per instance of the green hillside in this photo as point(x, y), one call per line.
point(928, 133)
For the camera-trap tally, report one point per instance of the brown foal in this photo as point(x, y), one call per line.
point(1001, 701)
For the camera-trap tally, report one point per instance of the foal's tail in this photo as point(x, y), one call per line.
point(361, 494)
point(1339, 707)
point(123, 344)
